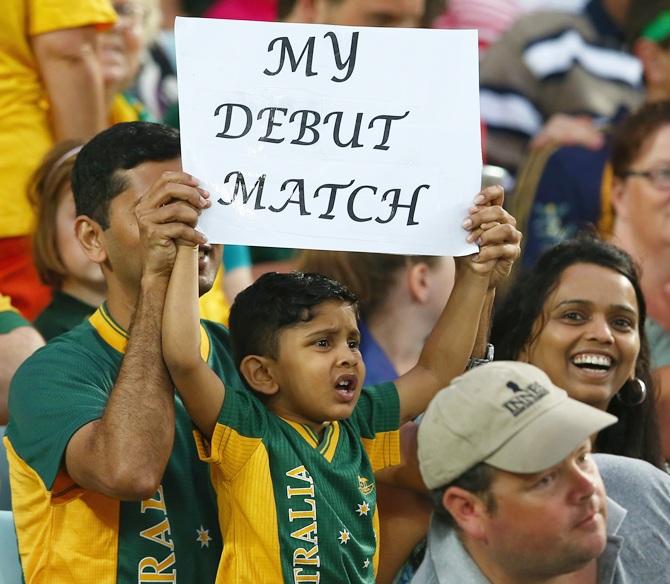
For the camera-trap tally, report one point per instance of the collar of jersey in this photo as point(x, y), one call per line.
point(116, 337)
point(328, 443)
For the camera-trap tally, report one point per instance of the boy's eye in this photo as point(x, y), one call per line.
point(354, 344)
point(322, 343)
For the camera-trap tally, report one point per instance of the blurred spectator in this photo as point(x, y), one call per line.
point(562, 190)
point(17, 341)
point(50, 90)
point(121, 49)
point(554, 63)
point(491, 18)
point(243, 9)
point(565, 5)
point(156, 84)
point(78, 285)
point(641, 202)
point(405, 13)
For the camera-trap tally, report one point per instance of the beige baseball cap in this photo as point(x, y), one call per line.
point(507, 414)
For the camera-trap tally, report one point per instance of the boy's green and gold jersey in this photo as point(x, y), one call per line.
point(70, 535)
point(294, 507)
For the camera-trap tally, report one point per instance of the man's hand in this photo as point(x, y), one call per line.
point(494, 230)
point(167, 214)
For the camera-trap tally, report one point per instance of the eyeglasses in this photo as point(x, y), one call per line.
point(130, 11)
point(659, 177)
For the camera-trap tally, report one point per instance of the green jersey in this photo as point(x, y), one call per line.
point(294, 507)
point(67, 534)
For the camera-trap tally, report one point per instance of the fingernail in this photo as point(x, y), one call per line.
point(474, 210)
point(480, 199)
point(470, 238)
point(467, 223)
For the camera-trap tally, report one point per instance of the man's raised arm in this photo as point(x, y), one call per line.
point(124, 453)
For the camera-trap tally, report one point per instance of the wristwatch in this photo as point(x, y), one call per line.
point(476, 362)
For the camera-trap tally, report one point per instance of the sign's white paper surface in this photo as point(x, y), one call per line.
point(367, 139)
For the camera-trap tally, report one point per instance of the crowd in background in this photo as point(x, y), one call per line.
point(575, 115)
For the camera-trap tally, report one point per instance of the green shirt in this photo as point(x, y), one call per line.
point(78, 536)
point(295, 507)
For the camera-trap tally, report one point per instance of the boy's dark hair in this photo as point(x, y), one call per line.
point(277, 301)
point(96, 179)
point(636, 432)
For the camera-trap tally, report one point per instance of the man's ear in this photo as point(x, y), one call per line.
point(468, 510)
point(257, 371)
point(417, 282)
point(90, 236)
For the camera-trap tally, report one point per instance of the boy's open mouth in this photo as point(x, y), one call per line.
point(345, 387)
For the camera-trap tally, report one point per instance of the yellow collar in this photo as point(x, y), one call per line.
point(117, 338)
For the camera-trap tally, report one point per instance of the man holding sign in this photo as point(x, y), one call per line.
point(98, 444)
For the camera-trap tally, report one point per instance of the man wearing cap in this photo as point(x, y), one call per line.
point(519, 497)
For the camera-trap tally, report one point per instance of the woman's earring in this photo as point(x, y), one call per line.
point(639, 394)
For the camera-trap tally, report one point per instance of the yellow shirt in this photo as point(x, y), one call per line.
point(214, 305)
point(25, 134)
point(5, 303)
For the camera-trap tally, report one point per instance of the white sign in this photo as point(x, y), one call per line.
point(331, 137)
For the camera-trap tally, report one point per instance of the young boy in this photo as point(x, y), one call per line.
point(294, 454)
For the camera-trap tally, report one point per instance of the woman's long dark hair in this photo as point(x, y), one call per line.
point(636, 434)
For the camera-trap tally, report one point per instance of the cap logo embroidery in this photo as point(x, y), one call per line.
point(524, 398)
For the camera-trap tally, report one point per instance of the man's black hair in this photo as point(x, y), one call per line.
point(277, 301)
point(96, 176)
point(477, 480)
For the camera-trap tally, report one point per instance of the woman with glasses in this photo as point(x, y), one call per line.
point(641, 202)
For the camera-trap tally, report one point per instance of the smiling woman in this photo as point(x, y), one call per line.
point(579, 315)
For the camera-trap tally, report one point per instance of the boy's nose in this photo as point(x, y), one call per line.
point(347, 357)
